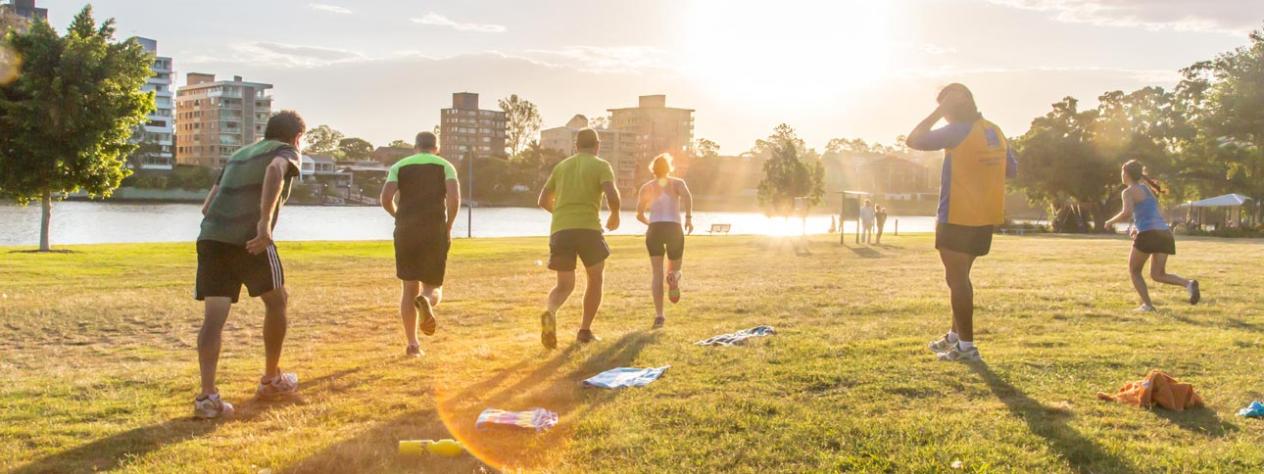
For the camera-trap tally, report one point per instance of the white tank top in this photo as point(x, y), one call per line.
point(666, 205)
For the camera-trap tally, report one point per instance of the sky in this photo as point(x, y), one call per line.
point(382, 69)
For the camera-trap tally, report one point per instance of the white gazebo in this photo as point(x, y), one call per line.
point(1231, 203)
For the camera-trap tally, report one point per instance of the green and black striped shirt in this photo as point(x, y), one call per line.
point(234, 212)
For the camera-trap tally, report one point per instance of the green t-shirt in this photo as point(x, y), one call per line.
point(234, 212)
point(576, 184)
point(423, 189)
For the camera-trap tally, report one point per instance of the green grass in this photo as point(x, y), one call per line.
point(98, 366)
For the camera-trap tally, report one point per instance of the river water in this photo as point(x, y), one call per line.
point(83, 222)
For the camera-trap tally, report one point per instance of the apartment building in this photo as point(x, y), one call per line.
point(215, 118)
point(466, 131)
point(19, 14)
point(157, 134)
point(620, 148)
point(652, 128)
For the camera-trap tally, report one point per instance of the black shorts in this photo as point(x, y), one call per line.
point(970, 240)
point(224, 267)
point(1155, 241)
point(587, 244)
point(666, 238)
point(421, 254)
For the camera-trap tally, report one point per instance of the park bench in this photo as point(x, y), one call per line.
point(720, 228)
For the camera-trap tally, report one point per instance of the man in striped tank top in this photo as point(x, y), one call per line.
point(235, 248)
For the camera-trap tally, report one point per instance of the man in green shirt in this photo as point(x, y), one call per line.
point(573, 195)
point(235, 248)
point(429, 198)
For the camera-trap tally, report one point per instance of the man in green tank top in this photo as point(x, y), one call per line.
point(235, 248)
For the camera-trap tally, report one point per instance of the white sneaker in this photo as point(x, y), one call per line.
point(210, 407)
point(284, 384)
point(941, 345)
point(956, 353)
point(1145, 308)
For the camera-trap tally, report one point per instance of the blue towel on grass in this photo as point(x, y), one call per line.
point(1254, 410)
point(625, 377)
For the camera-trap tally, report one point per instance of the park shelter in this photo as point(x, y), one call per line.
point(1219, 211)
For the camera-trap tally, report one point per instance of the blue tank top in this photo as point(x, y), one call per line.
point(1145, 216)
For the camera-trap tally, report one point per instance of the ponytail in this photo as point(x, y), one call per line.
point(1135, 170)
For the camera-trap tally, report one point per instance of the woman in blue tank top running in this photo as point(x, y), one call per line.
point(1152, 239)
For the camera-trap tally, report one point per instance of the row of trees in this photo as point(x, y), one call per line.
point(1203, 138)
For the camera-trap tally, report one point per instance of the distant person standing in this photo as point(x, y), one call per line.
point(573, 195)
point(866, 222)
point(429, 198)
point(663, 197)
point(977, 160)
point(880, 216)
point(1152, 239)
point(235, 248)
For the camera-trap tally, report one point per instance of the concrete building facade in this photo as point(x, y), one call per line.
point(652, 128)
point(216, 118)
point(466, 131)
point(157, 134)
point(19, 15)
point(620, 148)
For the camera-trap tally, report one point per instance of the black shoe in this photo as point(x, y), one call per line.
point(586, 336)
point(1194, 294)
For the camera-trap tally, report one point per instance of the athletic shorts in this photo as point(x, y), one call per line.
point(224, 267)
point(970, 240)
point(666, 238)
point(1155, 241)
point(421, 254)
point(586, 244)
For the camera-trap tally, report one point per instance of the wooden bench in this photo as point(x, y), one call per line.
point(720, 228)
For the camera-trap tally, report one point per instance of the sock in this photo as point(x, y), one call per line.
point(965, 345)
point(952, 336)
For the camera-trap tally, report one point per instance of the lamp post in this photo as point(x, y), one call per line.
point(469, 204)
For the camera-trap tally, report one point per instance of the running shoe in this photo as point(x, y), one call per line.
point(548, 329)
point(1145, 308)
point(586, 336)
point(673, 287)
point(208, 407)
point(279, 386)
point(413, 351)
point(428, 321)
point(659, 322)
point(956, 353)
point(941, 345)
point(1194, 294)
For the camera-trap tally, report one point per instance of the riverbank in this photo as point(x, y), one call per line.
point(100, 369)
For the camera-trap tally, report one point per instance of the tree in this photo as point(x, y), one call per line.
point(704, 148)
point(599, 122)
point(68, 118)
point(355, 149)
point(1063, 168)
point(400, 144)
point(522, 120)
point(322, 140)
point(791, 172)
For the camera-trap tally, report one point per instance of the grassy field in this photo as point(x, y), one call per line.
point(98, 368)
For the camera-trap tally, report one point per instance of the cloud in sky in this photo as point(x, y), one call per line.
point(1219, 16)
point(330, 8)
point(598, 59)
point(279, 55)
point(435, 19)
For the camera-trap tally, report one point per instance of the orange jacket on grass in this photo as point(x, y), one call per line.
point(1158, 388)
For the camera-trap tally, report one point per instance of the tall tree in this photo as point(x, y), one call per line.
point(1064, 169)
point(523, 122)
point(355, 149)
point(791, 172)
point(400, 144)
point(323, 140)
point(68, 117)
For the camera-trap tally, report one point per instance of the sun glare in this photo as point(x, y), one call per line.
point(759, 51)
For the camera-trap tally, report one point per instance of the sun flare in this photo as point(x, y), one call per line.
point(795, 49)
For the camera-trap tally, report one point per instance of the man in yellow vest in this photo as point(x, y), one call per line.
point(977, 160)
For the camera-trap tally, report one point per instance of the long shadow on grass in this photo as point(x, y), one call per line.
point(1083, 454)
point(864, 251)
point(541, 388)
point(107, 453)
point(1231, 323)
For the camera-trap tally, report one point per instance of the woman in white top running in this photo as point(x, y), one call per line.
point(663, 197)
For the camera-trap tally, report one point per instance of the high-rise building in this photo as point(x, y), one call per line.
point(465, 131)
point(19, 14)
point(157, 135)
point(618, 147)
point(657, 129)
point(215, 118)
